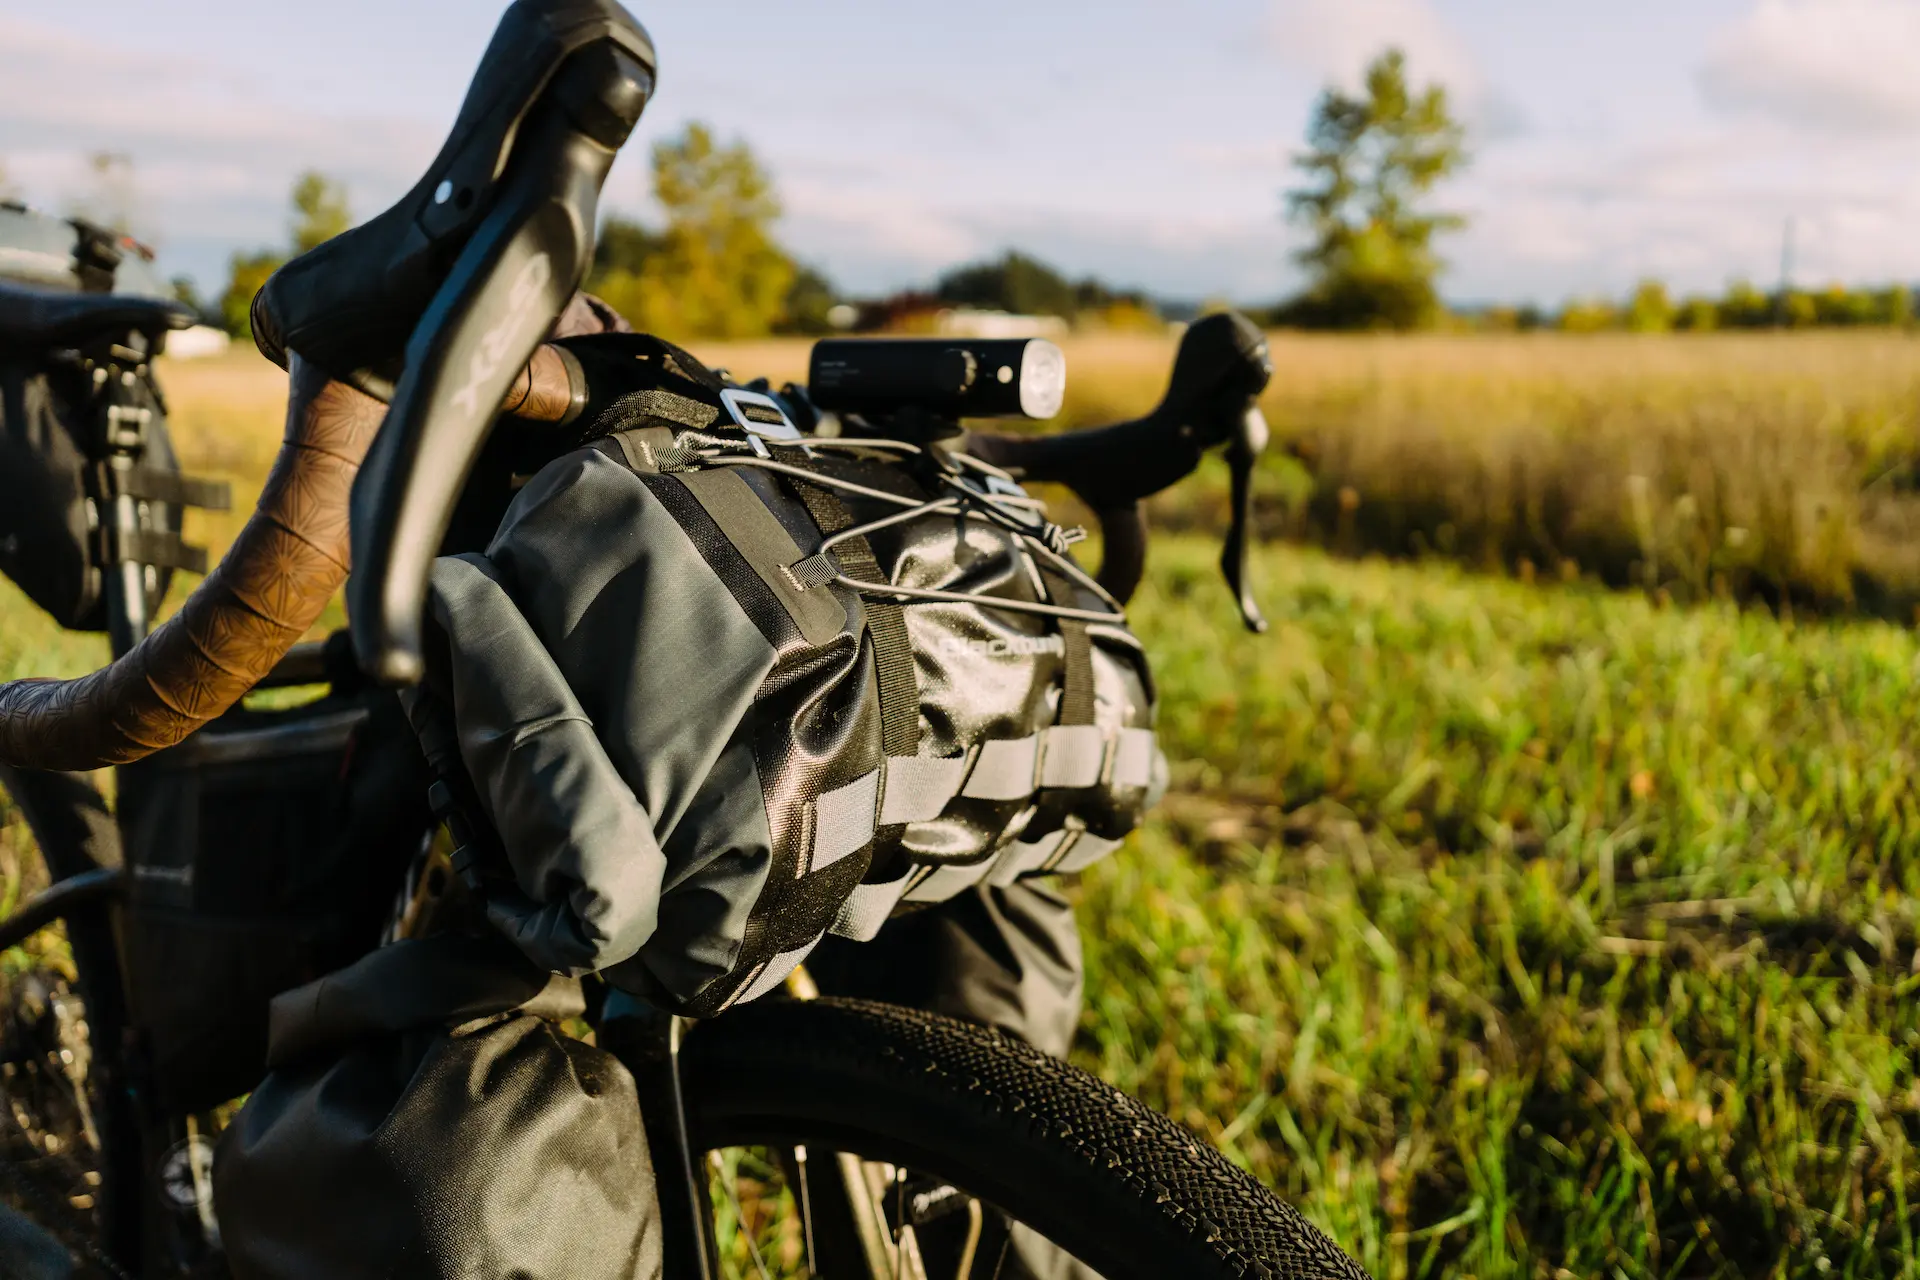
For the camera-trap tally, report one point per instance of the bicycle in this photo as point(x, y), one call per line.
point(851, 1138)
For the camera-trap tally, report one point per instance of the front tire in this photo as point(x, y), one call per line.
point(1120, 1187)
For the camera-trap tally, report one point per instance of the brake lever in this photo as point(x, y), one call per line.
point(1212, 398)
point(1243, 451)
point(524, 261)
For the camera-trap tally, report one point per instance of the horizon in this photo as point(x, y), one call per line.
point(1150, 153)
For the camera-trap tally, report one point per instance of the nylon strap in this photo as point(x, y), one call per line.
point(1076, 694)
point(1076, 697)
point(158, 547)
point(166, 486)
point(899, 683)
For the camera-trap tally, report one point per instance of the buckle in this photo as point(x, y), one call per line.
point(738, 399)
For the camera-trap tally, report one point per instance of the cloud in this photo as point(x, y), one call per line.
point(1827, 65)
point(213, 152)
point(1334, 40)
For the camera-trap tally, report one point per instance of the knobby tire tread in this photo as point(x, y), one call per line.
point(997, 1113)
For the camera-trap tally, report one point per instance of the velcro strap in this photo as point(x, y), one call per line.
point(160, 548)
point(775, 972)
point(843, 820)
point(649, 450)
point(919, 788)
point(1071, 755)
point(169, 487)
point(1006, 770)
point(868, 907)
point(1133, 758)
point(1085, 850)
point(1024, 856)
point(814, 571)
point(636, 407)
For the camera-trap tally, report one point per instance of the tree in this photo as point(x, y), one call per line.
point(714, 270)
point(319, 213)
point(246, 273)
point(1371, 162)
point(623, 245)
point(809, 300)
point(1745, 307)
point(1650, 310)
point(319, 210)
point(1015, 282)
point(1698, 315)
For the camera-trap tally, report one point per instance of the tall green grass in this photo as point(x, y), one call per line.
point(1783, 467)
point(1523, 933)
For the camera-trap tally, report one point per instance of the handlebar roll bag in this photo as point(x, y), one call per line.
point(700, 754)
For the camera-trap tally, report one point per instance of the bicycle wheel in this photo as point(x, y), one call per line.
point(964, 1147)
point(56, 1131)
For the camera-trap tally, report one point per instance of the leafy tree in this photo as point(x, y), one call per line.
point(318, 205)
point(186, 291)
point(1897, 304)
point(1745, 307)
point(1371, 162)
point(1017, 283)
point(1650, 310)
point(319, 210)
point(714, 270)
point(623, 245)
point(1589, 315)
point(1799, 310)
point(809, 299)
point(1698, 315)
point(246, 272)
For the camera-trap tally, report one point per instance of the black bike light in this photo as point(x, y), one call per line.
point(947, 377)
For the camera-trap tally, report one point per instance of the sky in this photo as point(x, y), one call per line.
point(1146, 143)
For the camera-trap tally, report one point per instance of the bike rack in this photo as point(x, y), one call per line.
point(88, 889)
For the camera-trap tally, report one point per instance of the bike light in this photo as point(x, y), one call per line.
point(948, 377)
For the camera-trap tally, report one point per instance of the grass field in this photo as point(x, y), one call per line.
point(1759, 465)
point(1509, 929)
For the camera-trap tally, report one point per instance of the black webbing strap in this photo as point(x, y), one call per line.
point(899, 683)
point(1076, 698)
point(1076, 695)
point(158, 547)
point(169, 487)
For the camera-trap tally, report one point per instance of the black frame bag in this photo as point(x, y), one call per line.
point(265, 851)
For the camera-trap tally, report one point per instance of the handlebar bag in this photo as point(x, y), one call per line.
point(699, 756)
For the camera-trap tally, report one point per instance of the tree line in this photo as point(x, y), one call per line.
point(1651, 308)
point(714, 266)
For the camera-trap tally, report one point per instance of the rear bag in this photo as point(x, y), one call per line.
point(51, 495)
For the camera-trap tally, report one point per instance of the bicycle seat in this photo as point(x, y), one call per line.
point(46, 318)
